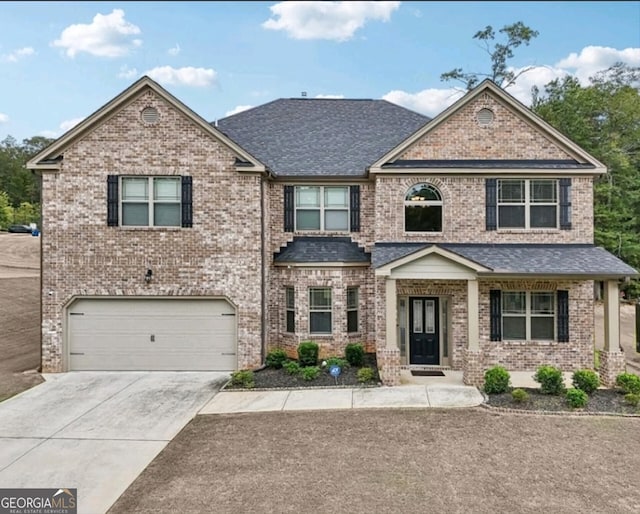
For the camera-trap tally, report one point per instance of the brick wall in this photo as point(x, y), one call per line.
point(82, 256)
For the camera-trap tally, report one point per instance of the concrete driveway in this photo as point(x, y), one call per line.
point(96, 431)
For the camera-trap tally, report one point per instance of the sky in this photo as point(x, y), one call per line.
point(62, 61)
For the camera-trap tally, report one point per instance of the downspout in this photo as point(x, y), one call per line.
point(263, 288)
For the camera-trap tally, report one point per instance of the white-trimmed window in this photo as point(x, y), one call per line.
point(527, 203)
point(423, 209)
point(320, 310)
point(150, 201)
point(528, 316)
point(290, 306)
point(352, 309)
point(323, 208)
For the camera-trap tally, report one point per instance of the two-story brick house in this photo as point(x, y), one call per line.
point(458, 242)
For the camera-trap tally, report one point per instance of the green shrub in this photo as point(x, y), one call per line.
point(496, 380)
point(629, 383)
point(337, 361)
point(292, 367)
point(519, 395)
point(310, 373)
point(365, 375)
point(243, 378)
point(308, 353)
point(586, 380)
point(354, 352)
point(632, 399)
point(576, 398)
point(550, 380)
point(276, 358)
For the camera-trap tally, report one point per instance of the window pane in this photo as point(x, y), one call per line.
point(514, 327)
point(542, 303)
point(320, 298)
point(511, 216)
point(352, 297)
point(423, 193)
point(135, 214)
point(336, 220)
point(352, 321)
point(543, 191)
point(429, 317)
point(427, 218)
point(166, 215)
point(307, 220)
point(135, 189)
point(307, 196)
point(417, 316)
point(320, 322)
point(166, 189)
point(511, 191)
point(543, 216)
point(542, 328)
point(291, 321)
point(290, 297)
point(336, 197)
point(514, 303)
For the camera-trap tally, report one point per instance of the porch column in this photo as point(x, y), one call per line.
point(473, 313)
point(391, 300)
point(612, 361)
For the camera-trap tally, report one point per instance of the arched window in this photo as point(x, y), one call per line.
point(423, 209)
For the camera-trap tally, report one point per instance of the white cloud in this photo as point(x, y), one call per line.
point(127, 73)
point(187, 76)
point(4, 118)
point(428, 101)
point(109, 35)
point(69, 124)
point(18, 54)
point(174, 51)
point(592, 59)
point(337, 21)
point(329, 96)
point(238, 109)
point(49, 133)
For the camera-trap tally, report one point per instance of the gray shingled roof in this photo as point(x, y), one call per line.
point(542, 259)
point(560, 164)
point(321, 249)
point(300, 137)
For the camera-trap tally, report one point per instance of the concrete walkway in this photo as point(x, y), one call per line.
point(96, 431)
point(405, 396)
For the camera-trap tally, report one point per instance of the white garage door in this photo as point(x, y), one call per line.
point(150, 334)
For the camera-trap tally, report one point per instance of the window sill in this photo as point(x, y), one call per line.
point(529, 231)
point(320, 336)
point(155, 229)
point(522, 342)
point(417, 233)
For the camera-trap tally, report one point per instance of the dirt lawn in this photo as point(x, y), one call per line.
point(19, 312)
point(392, 461)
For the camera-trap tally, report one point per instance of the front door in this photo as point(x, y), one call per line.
point(424, 343)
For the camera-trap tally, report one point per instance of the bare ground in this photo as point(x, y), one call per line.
point(392, 461)
point(19, 312)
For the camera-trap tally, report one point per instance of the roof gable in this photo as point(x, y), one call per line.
point(48, 158)
point(515, 135)
point(304, 137)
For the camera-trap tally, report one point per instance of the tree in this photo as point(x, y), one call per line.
point(516, 34)
point(604, 119)
point(6, 211)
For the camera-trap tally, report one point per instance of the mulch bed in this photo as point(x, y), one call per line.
point(269, 378)
point(601, 401)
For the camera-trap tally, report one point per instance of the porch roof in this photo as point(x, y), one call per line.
point(581, 260)
point(318, 250)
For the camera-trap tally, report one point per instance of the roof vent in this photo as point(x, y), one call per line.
point(150, 115)
point(485, 117)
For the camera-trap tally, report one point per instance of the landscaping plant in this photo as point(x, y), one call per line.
point(632, 399)
point(550, 380)
point(576, 398)
point(243, 378)
point(354, 352)
point(308, 353)
point(629, 383)
point(310, 373)
point(586, 380)
point(496, 380)
point(276, 358)
point(365, 375)
point(337, 361)
point(292, 367)
point(519, 395)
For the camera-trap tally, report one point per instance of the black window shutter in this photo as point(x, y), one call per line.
point(565, 204)
point(112, 200)
point(491, 204)
point(187, 202)
point(354, 207)
point(563, 316)
point(288, 208)
point(495, 314)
